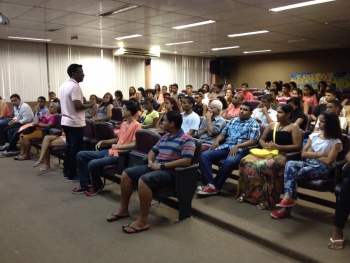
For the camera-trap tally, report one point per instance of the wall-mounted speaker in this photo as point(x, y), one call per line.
point(225, 69)
point(214, 67)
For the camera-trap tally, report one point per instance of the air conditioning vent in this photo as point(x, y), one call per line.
point(135, 53)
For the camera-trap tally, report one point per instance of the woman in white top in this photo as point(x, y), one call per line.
point(320, 153)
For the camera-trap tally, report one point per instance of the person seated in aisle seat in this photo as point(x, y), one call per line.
point(240, 133)
point(174, 89)
point(151, 95)
point(335, 106)
point(200, 108)
point(285, 95)
point(233, 109)
point(53, 97)
point(174, 149)
point(329, 96)
point(9, 134)
point(211, 126)
point(265, 114)
point(191, 120)
point(247, 95)
point(189, 90)
point(217, 91)
point(91, 163)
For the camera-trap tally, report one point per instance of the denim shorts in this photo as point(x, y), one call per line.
point(153, 179)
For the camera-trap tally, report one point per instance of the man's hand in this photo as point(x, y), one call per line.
point(214, 146)
point(264, 109)
point(209, 115)
point(98, 145)
point(233, 151)
point(12, 122)
point(153, 166)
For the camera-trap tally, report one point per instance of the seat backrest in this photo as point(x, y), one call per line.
point(117, 114)
point(58, 118)
point(255, 103)
point(146, 139)
point(104, 131)
point(197, 152)
point(89, 129)
point(257, 93)
point(306, 126)
point(346, 147)
point(252, 89)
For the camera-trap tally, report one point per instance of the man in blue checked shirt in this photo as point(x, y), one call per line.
point(240, 133)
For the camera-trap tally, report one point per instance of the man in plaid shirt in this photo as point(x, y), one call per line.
point(240, 133)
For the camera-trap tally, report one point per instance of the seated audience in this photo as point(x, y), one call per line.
point(91, 112)
point(149, 117)
point(240, 133)
point(285, 95)
point(200, 108)
point(170, 104)
point(139, 97)
point(224, 104)
point(180, 97)
point(189, 91)
point(132, 92)
point(48, 142)
point(293, 86)
point(322, 86)
point(156, 91)
point(330, 95)
point(211, 126)
point(138, 114)
point(336, 107)
point(265, 114)
point(233, 109)
point(5, 115)
point(151, 95)
point(118, 101)
point(162, 106)
point(90, 163)
point(277, 86)
point(320, 153)
point(143, 92)
point(342, 210)
point(247, 95)
point(47, 121)
point(261, 179)
point(229, 93)
point(9, 133)
point(53, 97)
point(205, 88)
point(297, 117)
point(40, 108)
point(310, 95)
point(161, 95)
point(298, 93)
point(266, 90)
point(217, 91)
point(174, 90)
point(275, 104)
point(190, 119)
point(104, 111)
point(174, 149)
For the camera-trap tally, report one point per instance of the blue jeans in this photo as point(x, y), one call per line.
point(92, 163)
point(206, 162)
point(74, 141)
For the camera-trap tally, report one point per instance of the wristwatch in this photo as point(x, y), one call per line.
point(162, 166)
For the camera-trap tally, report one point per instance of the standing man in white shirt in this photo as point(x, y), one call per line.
point(73, 119)
point(265, 114)
point(190, 119)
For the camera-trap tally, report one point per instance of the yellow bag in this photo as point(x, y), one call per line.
point(265, 153)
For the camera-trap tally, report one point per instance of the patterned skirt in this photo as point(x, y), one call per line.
point(261, 180)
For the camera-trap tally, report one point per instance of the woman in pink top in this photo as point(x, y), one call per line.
point(310, 95)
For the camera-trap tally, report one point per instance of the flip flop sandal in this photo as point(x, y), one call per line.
point(37, 164)
point(43, 170)
point(333, 244)
point(114, 217)
point(134, 230)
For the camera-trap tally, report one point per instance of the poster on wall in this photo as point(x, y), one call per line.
point(341, 80)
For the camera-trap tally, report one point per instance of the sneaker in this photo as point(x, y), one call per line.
point(92, 192)
point(80, 190)
point(73, 179)
point(284, 203)
point(199, 188)
point(10, 153)
point(207, 190)
point(281, 214)
point(3, 148)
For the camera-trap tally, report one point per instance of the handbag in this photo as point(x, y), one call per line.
point(27, 128)
point(265, 153)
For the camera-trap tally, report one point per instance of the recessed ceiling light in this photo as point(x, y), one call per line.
point(222, 48)
point(314, 2)
point(107, 46)
point(256, 51)
point(119, 10)
point(296, 40)
point(29, 38)
point(248, 33)
point(131, 36)
point(166, 51)
point(194, 24)
point(178, 43)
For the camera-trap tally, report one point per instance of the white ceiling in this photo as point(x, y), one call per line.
point(323, 26)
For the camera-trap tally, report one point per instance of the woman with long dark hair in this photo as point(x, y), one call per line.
point(320, 153)
point(118, 101)
point(104, 111)
point(310, 95)
point(298, 117)
point(298, 93)
point(132, 92)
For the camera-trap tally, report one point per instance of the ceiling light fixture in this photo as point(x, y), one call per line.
point(223, 48)
point(249, 33)
point(256, 51)
point(119, 10)
point(100, 45)
point(29, 38)
point(314, 2)
point(178, 43)
point(194, 24)
point(296, 40)
point(4, 20)
point(166, 51)
point(131, 36)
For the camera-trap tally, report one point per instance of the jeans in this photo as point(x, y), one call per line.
point(3, 125)
point(11, 135)
point(74, 141)
point(205, 165)
point(295, 170)
point(343, 208)
point(92, 163)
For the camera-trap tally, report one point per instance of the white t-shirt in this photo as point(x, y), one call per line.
point(342, 120)
point(321, 145)
point(259, 115)
point(190, 122)
point(70, 91)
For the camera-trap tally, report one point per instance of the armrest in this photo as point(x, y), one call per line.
point(293, 156)
point(179, 170)
point(338, 177)
point(186, 181)
point(123, 160)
